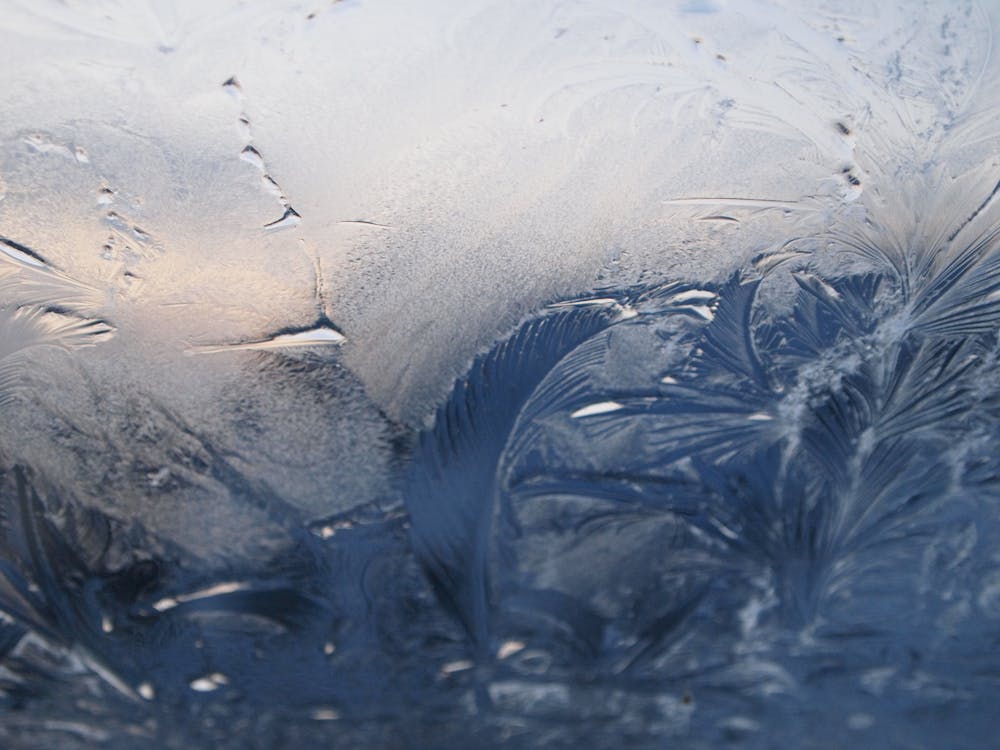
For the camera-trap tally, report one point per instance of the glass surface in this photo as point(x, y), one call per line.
point(499, 374)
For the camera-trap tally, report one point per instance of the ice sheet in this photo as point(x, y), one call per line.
point(498, 374)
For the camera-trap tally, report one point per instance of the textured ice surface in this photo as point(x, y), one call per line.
point(430, 375)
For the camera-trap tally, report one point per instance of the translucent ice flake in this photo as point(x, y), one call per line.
point(27, 278)
point(21, 254)
point(29, 327)
point(604, 407)
point(220, 588)
point(321, 335)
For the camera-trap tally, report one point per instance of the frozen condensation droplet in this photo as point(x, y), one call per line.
point(324, 714)
point(209, 683)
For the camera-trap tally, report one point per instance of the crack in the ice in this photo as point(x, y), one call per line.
point(252, 155)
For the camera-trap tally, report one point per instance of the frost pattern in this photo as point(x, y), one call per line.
point(787, 472)
point(721, 471)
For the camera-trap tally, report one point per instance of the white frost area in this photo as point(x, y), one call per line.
point(422, 176)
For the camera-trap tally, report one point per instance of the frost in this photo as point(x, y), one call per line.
point(498, 374)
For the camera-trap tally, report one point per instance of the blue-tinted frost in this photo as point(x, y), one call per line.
point(786, 485)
